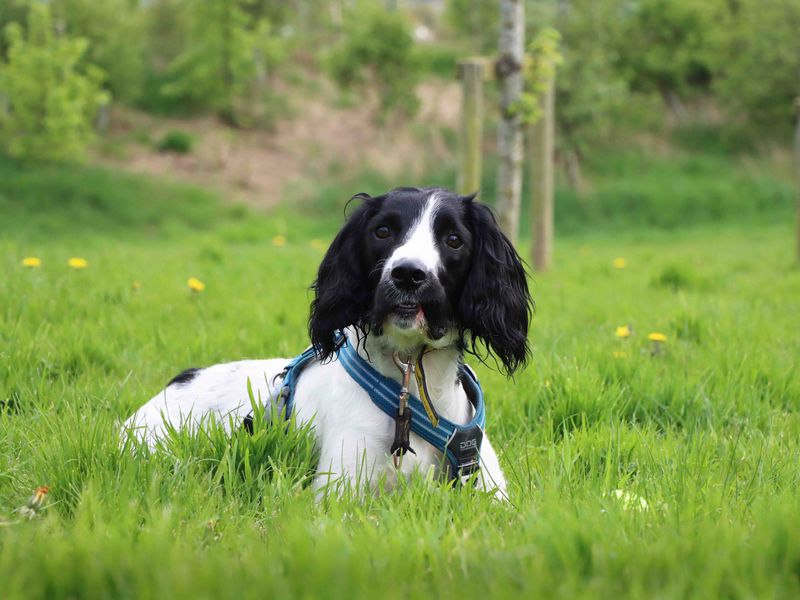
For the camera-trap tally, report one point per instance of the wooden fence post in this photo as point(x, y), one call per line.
point(508, 70)
point(542, 139)
point(471, 73)
point(797, 175)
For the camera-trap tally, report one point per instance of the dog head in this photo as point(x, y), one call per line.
point(424, 267)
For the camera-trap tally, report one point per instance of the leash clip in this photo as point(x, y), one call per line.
point(402, 419)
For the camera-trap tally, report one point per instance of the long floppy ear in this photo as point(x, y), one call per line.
point(341, 292)
point(495, 305)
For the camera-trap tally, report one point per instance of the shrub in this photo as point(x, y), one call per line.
point(378, 52)
point(50, 100)
point(176, 141)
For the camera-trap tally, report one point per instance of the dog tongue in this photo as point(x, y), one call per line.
point(420, 315)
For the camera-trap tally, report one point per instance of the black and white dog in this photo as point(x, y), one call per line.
point(412, 269)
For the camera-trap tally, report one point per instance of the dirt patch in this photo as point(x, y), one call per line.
point(317, 140)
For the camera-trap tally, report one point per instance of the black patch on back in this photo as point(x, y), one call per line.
point(184, 376)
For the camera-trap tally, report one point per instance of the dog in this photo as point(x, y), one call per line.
point(414, 272)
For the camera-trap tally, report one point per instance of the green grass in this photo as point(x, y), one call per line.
point(707, 430)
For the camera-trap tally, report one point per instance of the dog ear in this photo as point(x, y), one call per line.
point(495, 306)
point(341, 292)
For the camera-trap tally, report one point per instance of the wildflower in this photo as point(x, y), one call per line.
point(35, 503)
point(658, 339)
point(78, 263)
point(619, 263)
point(630, 501)
point(623, 331)
point(279, 240)
point(136, 286)
point(31, 262)
point(317, 244)
point(195, 284)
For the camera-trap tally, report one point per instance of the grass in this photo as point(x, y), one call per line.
point(707, 430)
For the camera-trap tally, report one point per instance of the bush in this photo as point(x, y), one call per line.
point(378, 52)
point(757, 65)
point(50, 100)
point(116, 39)
point(176, 141)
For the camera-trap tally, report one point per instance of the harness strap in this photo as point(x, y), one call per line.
point(460, 444)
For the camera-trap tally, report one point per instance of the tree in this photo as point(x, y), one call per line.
point(377, 52)
point(115, 31)
point(757, 63)
point(51, 95)
point(664, 46)
point(219, 64)
point(476, 21)
point(509, 131)
point(592, 95)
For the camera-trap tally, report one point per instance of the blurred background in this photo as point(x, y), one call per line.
point(668, 112)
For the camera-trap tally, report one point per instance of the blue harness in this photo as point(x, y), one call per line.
point(460, 444)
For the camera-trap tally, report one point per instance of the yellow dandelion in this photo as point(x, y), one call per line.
point(135, 286)
point(31, 262)
point(657, 337)
point(279, 240)
point(317, 244)
point(195, 284)
point(619, 263)
point(623, 331)
point(620, 354)
point(78, 263)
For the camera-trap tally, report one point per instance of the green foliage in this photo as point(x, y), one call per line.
point(114, 29)
point(664, 45)
point(50, 96)
point(11, 11)
point(476, 21)
point(539, 71)
point(176, 141)
point(757, 64)
point(378, 53)
point(592, 98)
point(227, 53)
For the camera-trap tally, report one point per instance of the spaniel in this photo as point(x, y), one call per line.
point(413, 273)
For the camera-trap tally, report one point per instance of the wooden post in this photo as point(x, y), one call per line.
point(471, 73)
point(797, 175)
point(542, 141)
point(509, 131)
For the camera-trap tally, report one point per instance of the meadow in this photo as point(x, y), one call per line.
point(636, 468)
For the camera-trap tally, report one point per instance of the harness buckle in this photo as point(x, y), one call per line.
point(465, 447)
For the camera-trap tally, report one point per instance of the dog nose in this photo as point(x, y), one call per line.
point(409, 275)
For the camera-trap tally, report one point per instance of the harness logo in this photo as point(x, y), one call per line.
point(468, 444)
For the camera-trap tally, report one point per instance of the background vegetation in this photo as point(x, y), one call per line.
point(636, 468)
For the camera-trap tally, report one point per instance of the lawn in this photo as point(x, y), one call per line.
point(635, 469)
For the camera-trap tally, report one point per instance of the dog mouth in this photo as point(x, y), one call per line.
point(409, 315)
point(424, 314)
point(409, 309)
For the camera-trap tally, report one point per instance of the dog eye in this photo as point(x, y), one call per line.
point(454, 241)
point(383, 232)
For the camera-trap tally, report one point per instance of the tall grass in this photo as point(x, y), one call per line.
point(705, 429)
